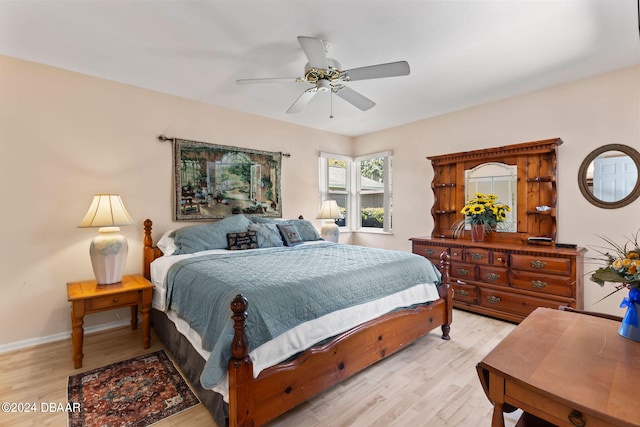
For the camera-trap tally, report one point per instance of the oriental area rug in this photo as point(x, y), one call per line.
point(135, 393)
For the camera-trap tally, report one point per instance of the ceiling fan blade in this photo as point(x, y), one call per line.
point(391, 69)
point(314, 50)
point(266, 80)
point(302, 100)
point(355, 98)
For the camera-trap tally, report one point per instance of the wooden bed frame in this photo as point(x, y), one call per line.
point(254, 401)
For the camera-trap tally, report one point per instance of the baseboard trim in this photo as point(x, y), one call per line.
point(19, 345)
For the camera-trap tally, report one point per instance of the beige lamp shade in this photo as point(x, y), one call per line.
point(106, 210)
point(330, 212)
point(109, 249)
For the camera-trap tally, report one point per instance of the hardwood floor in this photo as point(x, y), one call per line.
point(431, 383)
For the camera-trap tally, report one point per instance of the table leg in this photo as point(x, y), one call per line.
point(134, 317)
point(146, 318)
point(496, 395)
point(77, 332)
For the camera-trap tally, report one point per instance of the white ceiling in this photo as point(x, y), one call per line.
point(461, 53)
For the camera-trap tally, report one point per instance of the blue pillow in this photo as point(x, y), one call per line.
point(202, 237)
point(290, 234)
point(306, 229)
point(268, 235)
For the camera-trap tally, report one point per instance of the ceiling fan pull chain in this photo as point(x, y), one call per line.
point(331, 104)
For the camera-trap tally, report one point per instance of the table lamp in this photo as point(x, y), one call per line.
point(330, 212)
point(108, 249)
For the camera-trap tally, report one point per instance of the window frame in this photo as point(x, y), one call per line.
point(353, 189)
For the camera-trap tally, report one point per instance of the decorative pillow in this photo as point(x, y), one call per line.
point(242, 241)
point(203, 237)
point(268, 235)
point(166, 243)
point(289, 234)
point(306, 229)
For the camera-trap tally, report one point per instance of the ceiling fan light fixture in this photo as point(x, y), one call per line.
point(323, 85)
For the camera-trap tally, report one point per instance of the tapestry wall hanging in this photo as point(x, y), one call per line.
point(215, 181)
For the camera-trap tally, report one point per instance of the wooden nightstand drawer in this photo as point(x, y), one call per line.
point(112, 301)
point(542, 264)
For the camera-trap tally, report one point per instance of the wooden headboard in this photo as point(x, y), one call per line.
point(150, 252)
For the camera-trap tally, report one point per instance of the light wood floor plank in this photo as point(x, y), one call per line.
point(432, 382)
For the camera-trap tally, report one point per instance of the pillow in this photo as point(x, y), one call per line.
point(306, 229)
point(268, 235)
point(243, 240)
point(202, 237)
point(166, 243)
point(289, 234)
point(264, 220)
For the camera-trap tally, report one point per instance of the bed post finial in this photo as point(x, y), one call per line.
point(240, 345)
point(148, 241)
point(446, 292)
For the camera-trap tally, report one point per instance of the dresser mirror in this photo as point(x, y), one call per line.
point(608, 176)
point(495, 178)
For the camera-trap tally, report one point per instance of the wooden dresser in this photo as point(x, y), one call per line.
point(508, 281)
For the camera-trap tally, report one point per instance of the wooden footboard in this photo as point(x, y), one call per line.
point(253, 402)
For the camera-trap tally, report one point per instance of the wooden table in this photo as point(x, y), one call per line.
point(566, 368)
point(88, 297)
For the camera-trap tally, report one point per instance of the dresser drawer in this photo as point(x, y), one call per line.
point(430, 251)
point(514, 303)
point(464, 292)
point(546, 265)
point(463, 271)
point(493, 275)
point(456, 254)
point(519, 395)
point(112, 301)
point(477, 255)
point(554, 285)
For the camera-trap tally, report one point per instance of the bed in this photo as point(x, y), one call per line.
point(262, 328)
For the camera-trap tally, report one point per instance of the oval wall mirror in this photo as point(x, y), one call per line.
point(608, 176)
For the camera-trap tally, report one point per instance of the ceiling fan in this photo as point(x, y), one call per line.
point(325, 75)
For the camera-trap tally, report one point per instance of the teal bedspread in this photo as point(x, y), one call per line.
point(285, 287)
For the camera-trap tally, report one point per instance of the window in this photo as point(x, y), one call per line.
point(362, 188)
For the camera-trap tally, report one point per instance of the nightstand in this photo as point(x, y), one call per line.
point(88, 297)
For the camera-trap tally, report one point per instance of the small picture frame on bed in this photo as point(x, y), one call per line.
point(215, 181)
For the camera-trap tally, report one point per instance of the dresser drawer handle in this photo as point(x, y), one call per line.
point(493, 300)
point(463, 293)
point(575, 418)
point(477, 256)
point(455, 254)
point(538, 284)
point(115, 299)
point(493, 276)
point(538, 264)
point(462, 271)
point(500, 259)
point(430, 252)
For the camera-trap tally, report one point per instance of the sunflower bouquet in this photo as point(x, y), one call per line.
point(622, 266)
point(483, 209)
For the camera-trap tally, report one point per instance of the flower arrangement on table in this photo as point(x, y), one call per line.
point(485, 210)
point(622, 268)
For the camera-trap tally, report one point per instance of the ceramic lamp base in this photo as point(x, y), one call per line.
point(330, 231)
point(108, 252)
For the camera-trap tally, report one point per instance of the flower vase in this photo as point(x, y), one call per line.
point(477, 232)
point(629, 327)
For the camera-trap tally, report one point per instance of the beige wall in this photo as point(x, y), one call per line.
point(66, 136)
point(586, 114)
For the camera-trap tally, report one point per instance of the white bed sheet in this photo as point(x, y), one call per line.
point(297, 339)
